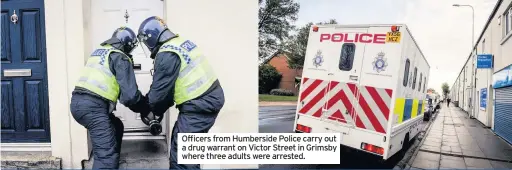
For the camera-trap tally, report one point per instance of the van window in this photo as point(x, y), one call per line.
point(419, 85)
point(424, 83)
point(414, 78)
point(406, 72)
point(347, 56)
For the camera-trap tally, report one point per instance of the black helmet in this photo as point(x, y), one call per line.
point(153, 32)
point(123, 39)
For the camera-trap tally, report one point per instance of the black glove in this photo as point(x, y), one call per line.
point(141, 107)
point(145, 109)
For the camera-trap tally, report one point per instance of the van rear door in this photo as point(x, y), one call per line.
point(346, 47)
point(314, 83)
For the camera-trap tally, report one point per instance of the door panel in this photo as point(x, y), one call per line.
point(110, 15)
point(6, 38)
point(24, 75)
point(344, 75)
point(8, 115)
point(314, 84)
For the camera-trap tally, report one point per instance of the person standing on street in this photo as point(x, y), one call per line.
point(107, 76)
point(448, 100)
point(182, 75)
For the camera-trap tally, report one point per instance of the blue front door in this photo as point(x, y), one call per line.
point(24, 77)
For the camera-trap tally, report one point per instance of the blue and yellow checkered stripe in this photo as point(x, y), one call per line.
point(406, 109)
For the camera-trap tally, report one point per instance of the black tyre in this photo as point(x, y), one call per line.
point(406, 143)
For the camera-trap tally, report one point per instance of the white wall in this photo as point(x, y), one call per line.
point(482, 76)
point(226, 31)
point(64, 33)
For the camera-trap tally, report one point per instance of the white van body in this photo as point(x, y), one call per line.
point(355, 82)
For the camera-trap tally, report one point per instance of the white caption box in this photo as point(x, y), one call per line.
point(259, 148)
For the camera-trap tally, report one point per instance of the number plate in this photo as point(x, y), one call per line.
point(393, 37)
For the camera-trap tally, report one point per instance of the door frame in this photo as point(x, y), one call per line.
point(89, 49)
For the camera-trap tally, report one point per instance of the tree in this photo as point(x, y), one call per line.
point(269, 78)
point(446, 89)
point(275, 21)
point(297, 44)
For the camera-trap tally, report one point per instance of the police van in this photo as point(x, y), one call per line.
point(367, 82)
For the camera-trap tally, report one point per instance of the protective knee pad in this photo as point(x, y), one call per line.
point(118, 124)
point(119, 130)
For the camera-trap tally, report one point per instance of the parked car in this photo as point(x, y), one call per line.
point(437, 106)
point(429, 110)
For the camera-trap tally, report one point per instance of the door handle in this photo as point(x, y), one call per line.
point(17, 72)
point(14, 17)
point(137, 66)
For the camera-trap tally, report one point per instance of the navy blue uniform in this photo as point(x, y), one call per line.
point(95, 113)
point(196, 116)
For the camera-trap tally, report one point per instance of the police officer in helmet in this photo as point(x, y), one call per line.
point(182, 75)
point(107, 77)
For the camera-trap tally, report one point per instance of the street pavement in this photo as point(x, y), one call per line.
point(276, 119)
point(280, 119)
point(456, 142)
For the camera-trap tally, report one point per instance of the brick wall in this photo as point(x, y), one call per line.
point(288, 79)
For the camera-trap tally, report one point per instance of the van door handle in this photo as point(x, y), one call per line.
point(330, 74)
point(137, 66)
point(353, 77)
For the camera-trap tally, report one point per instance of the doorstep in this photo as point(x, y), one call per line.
point(30, 159)
point(140, 154)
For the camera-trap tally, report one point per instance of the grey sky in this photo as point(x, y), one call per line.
point(442, 31)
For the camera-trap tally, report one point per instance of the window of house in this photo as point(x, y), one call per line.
point(419, 85)
point(414, 78)
point(507, 17)
point(424, 83)
point(406, 72)
point(347, 56)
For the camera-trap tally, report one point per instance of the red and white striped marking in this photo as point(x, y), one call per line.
point(370, 110)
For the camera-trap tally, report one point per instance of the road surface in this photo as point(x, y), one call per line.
point(276, 119)
point(280, 119)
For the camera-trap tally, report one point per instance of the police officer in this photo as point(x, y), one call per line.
point(107, 76)
point(182, 75)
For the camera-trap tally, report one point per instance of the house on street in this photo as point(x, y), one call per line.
point(290, 77)
point(482, 88)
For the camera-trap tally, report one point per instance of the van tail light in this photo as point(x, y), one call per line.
point(372, 148)
point(315, 28)
point(302, 128)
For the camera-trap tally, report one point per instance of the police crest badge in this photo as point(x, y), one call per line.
point(380, 63)
point(318, 59)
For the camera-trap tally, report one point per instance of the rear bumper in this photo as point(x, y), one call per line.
point(351, 138)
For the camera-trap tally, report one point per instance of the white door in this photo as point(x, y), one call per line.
point(344, 75)
point(107, 15)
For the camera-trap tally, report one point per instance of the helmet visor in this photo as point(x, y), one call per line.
point(132, 45)
point(143, 38)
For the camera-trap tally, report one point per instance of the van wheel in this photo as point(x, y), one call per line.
point(405, 144)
